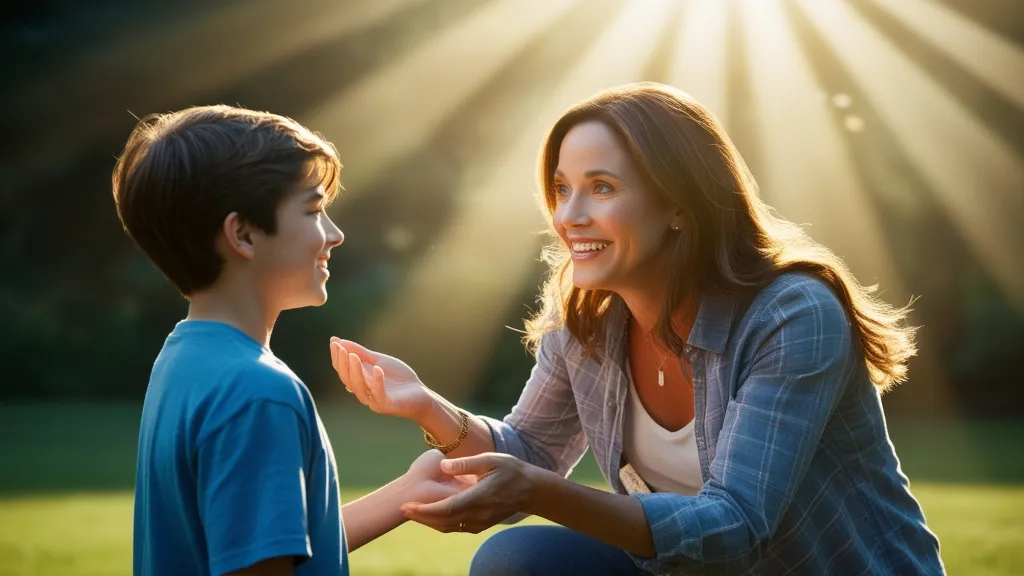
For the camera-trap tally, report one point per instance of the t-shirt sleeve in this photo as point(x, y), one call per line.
point(251, 487)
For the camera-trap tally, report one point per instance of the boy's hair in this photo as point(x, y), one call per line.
point(182, 173)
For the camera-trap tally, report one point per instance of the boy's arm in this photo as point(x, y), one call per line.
point(375, 514)
point(378, 513)
point(280, 566)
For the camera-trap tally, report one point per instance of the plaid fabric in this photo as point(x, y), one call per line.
point(799, 474)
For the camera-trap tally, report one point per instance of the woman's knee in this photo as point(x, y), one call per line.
point(514, 551)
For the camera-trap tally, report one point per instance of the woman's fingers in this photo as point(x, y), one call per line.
point(365, 354)
point(446, 524)
point(339, 359)
point(356, 380)
point(377, 390)
point(439, 525)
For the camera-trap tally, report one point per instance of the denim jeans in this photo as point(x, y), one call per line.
point(550, 550)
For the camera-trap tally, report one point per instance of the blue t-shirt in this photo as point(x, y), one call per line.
point(234, 464)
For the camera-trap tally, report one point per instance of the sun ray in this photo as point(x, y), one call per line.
point(808, 175)
point(808, 172)
point(396, 110)
point(993, 59)
point(975, 176)
point(456, 295)
point(699, 61)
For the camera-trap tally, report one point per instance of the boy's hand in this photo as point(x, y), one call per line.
point(383, 383)
point(427, 483)
point(503, 486)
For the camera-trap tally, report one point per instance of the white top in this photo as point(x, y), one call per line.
point(666, 460)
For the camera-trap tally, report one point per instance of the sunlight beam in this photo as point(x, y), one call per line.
point(699, 61)
point(995, 61)
point(399, 107)
point(974, 174)
point(459, 292)
point(807, 173)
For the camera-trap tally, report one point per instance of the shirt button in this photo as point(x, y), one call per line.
point(610, 403)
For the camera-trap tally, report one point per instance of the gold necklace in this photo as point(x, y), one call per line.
point(661, 366)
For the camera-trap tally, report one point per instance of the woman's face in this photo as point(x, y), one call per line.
point(618, 232)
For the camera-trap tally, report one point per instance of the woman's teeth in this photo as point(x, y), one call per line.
point(589, 246)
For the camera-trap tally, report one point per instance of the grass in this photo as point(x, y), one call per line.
point(66, 506)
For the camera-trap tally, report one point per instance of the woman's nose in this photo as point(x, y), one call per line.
point(573, 211)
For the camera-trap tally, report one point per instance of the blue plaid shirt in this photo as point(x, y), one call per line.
point(799, 474)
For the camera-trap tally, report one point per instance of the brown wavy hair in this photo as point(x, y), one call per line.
point(730, 241)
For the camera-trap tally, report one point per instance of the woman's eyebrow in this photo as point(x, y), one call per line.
point(591, 174)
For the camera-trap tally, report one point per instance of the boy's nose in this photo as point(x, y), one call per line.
point(334, 234)
point(337, 238)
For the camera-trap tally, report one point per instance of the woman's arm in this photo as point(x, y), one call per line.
point(443, 420)
point(543, 428)
point(389, 386)
point(612, 518)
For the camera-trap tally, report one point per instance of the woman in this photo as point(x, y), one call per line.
point(725, 369)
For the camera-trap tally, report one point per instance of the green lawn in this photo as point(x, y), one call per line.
point(66, 473)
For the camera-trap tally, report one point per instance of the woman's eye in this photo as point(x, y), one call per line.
point(602, 188)
point(562, 190)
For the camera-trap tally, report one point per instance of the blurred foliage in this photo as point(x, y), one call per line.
point(84, 314)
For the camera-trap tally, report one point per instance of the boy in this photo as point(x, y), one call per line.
point(235, 472)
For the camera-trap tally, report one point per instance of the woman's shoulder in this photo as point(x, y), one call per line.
point(795, 289)
point(797, 299)
point(560, 342)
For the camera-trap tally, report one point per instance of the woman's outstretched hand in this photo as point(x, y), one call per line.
point(384, 384)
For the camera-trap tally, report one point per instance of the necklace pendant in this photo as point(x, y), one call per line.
point(661, 377)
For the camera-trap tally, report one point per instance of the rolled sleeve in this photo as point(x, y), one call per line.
point(802, 362)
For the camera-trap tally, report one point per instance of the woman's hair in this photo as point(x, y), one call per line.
point(730, 240)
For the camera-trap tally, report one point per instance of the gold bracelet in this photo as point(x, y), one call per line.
point(446, 448)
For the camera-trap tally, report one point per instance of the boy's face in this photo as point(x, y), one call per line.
point(292, 264)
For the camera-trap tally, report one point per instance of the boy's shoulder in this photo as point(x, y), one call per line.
point(226, 370)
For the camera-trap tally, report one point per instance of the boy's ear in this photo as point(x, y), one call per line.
point(238, 235)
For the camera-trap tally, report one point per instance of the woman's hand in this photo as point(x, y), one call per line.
point(425, 482)
point(504, 486)
point(383, 383)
